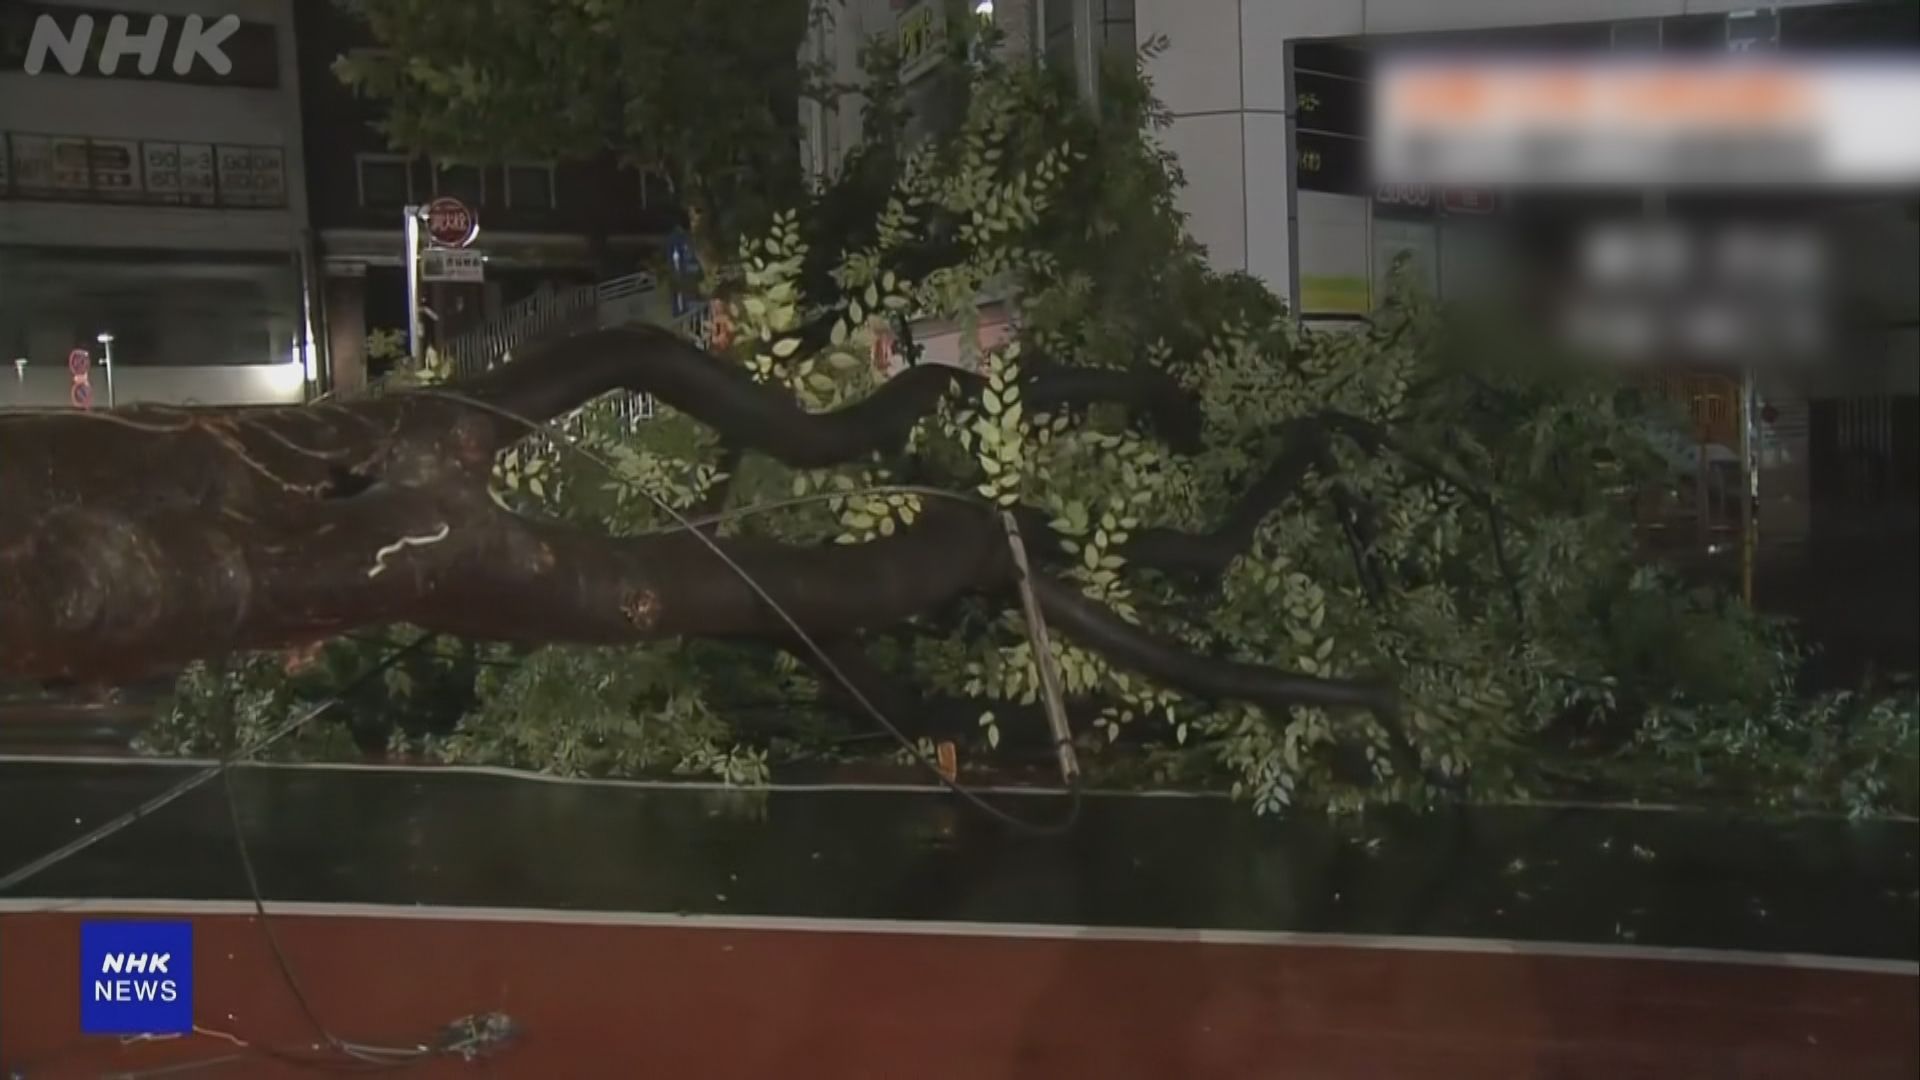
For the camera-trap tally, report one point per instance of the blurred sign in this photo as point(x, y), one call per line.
point(1421, 201)
point(1473, 202)
point(79, 169)
point(1760, 118)
point(1403, 200)
point(1329, 163)
point(1329, 104)
point(183, 173)
point(685, 264)
point(70, 165)
point(451, 223)
point(453, 264)
point(1330, 118)
point(114, 165)
point(921, 32)
point(252, 176)
point(1733, 293)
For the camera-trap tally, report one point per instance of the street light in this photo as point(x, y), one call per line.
point(105, 338)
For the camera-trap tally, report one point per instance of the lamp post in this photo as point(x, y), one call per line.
point(415, 345)
point(105, 339)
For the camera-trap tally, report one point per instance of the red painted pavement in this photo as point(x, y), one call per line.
point(686, 1002)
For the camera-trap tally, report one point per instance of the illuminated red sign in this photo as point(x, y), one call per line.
point(451, 223)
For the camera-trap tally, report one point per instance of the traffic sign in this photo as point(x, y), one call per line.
point(79, 362)
point(1469, 201)
point(82, 394)
point(685, 264)
point(444, 265)
point(451, 223)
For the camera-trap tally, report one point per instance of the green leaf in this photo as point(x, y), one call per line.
point(786, 347)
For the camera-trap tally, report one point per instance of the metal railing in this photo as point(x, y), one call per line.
point(552, 311)
point(544, 312)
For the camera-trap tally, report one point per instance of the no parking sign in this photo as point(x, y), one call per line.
point(80, 363)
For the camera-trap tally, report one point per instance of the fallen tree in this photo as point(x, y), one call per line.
point(142, 539)
point(1380, 565)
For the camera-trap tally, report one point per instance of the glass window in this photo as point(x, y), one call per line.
point(530, 187)
point(463, 182)
point(384, 180)
point(163, 308)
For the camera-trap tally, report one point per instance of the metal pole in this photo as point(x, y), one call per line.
point(1086, 49)
point(1749, 488)
point(416, 346)
point(106, 343)
point(1052, 694)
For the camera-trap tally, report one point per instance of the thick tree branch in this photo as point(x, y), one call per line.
point(560, 375)
point(1128, 646)
point(1143, 390)
point(1207, 555)
point(564, 374)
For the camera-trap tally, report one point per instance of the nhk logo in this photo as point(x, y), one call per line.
point(196, 40)
point(136, 978)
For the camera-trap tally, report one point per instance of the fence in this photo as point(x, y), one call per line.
point(616, 301)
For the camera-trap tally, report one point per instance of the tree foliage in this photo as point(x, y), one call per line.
point(701, 90)
point(1423, 502)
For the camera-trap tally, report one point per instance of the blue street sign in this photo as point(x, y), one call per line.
point(685, 264)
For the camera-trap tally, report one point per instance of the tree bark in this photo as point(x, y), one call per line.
point(138, 540)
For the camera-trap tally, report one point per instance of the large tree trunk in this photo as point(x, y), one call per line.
point(137, 540)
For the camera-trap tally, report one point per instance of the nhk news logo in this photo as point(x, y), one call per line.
point(136, 978)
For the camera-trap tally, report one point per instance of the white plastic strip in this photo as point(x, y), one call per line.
point(507, 773)
point(1023, 931)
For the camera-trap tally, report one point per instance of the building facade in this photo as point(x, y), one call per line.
point(148, 195)
point(543, 224)
point(1270, 124)
point(1269, 115)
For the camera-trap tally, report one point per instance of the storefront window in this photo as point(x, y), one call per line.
point(162, 308)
